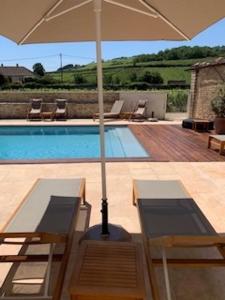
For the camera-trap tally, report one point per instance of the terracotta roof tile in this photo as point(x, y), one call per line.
point(15, 71)
point(205, 64)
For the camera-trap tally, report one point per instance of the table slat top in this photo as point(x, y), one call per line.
point(110, 269)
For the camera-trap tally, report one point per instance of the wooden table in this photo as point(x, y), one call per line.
point(47, 115)
point(218, 139)
point(203, 124)
point(108, 271)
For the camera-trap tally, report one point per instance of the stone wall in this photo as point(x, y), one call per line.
point(204, 86)
point(155, 102)
point(15, 105)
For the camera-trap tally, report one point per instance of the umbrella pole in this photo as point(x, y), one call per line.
point(105, 231)
point(104, 210)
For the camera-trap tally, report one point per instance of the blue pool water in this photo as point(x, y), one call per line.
point(66, 142)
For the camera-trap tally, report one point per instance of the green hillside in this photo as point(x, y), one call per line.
point(121, 70)
point(122, 73)
point(170, 64)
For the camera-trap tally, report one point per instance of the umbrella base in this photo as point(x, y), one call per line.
point(116, 233)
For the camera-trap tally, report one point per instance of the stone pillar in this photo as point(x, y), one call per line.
point(193, 93)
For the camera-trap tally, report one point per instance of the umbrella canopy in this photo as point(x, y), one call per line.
point(45, 21)
point(74, 20)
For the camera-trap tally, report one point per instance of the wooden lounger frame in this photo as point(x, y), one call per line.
point(41, 238)
point(164, 242)
point(181, 242)
point(108, 115)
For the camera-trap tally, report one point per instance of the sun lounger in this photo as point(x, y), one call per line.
point(169, 218)
point(35, 109)
point(61, 109)
point(158, 189)
point(139, 113)
point(115, 111)
point(47, 215)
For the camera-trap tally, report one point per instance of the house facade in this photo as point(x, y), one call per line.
point(15, 74)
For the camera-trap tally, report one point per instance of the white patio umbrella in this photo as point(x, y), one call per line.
point(46, 21)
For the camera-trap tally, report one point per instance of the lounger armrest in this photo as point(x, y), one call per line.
point(188, 241)
point(41, 238)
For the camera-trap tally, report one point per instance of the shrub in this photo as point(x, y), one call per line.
point(218, 103)
point(46, 79)
point(108, 79)
point(14, 86)
point(78, 79)
point(133, 77)
point(138, 86)
point(177, 101)
point(116, 80)
point(29, 79)
point(3, 80)
point(151, 77)
point(32, 85)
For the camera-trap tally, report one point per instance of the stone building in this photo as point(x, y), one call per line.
point(206, 78)
point(15, 74)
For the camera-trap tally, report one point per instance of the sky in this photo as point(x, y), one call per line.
point(84, 53)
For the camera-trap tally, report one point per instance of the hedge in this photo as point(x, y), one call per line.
point(86, 86)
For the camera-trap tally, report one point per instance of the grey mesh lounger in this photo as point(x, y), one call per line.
point(47, 215)
point(139, 113)
point(115, 111)
point(170, 218)
point(61, 109)
point(35, 109)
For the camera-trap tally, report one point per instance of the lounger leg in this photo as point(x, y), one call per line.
point(222, 144)
point(151, 271)
point(209, 142)
point(45, 295)
point(166, 274)
point(48, 272)
point(84, 197)
point(134, 202)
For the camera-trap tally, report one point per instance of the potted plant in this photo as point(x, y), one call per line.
point(218, 107)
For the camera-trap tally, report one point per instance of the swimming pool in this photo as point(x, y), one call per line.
point(66, 142)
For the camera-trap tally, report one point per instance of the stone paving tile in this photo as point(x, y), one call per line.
point(204, 181)
point(87, 122)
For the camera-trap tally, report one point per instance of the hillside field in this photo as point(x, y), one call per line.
point(122, 69)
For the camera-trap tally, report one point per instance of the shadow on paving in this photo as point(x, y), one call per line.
point(26, 279)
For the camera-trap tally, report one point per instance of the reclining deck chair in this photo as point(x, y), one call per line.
point(46, 217)
point(139, 113)
point(35, 109)
point(61, 109)
point(115, 111)
point(169, 218)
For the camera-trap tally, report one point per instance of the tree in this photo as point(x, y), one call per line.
point(116, 79)
point(39, 69)
point(107, 79)
point(3, 80)
point(79, 79)
point(76, 66)
point(151, 77)
point(134, 61)
point(133, 77)
point(66, 67)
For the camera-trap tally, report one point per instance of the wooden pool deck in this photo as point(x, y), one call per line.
point(175, 144)
point(165, 141)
